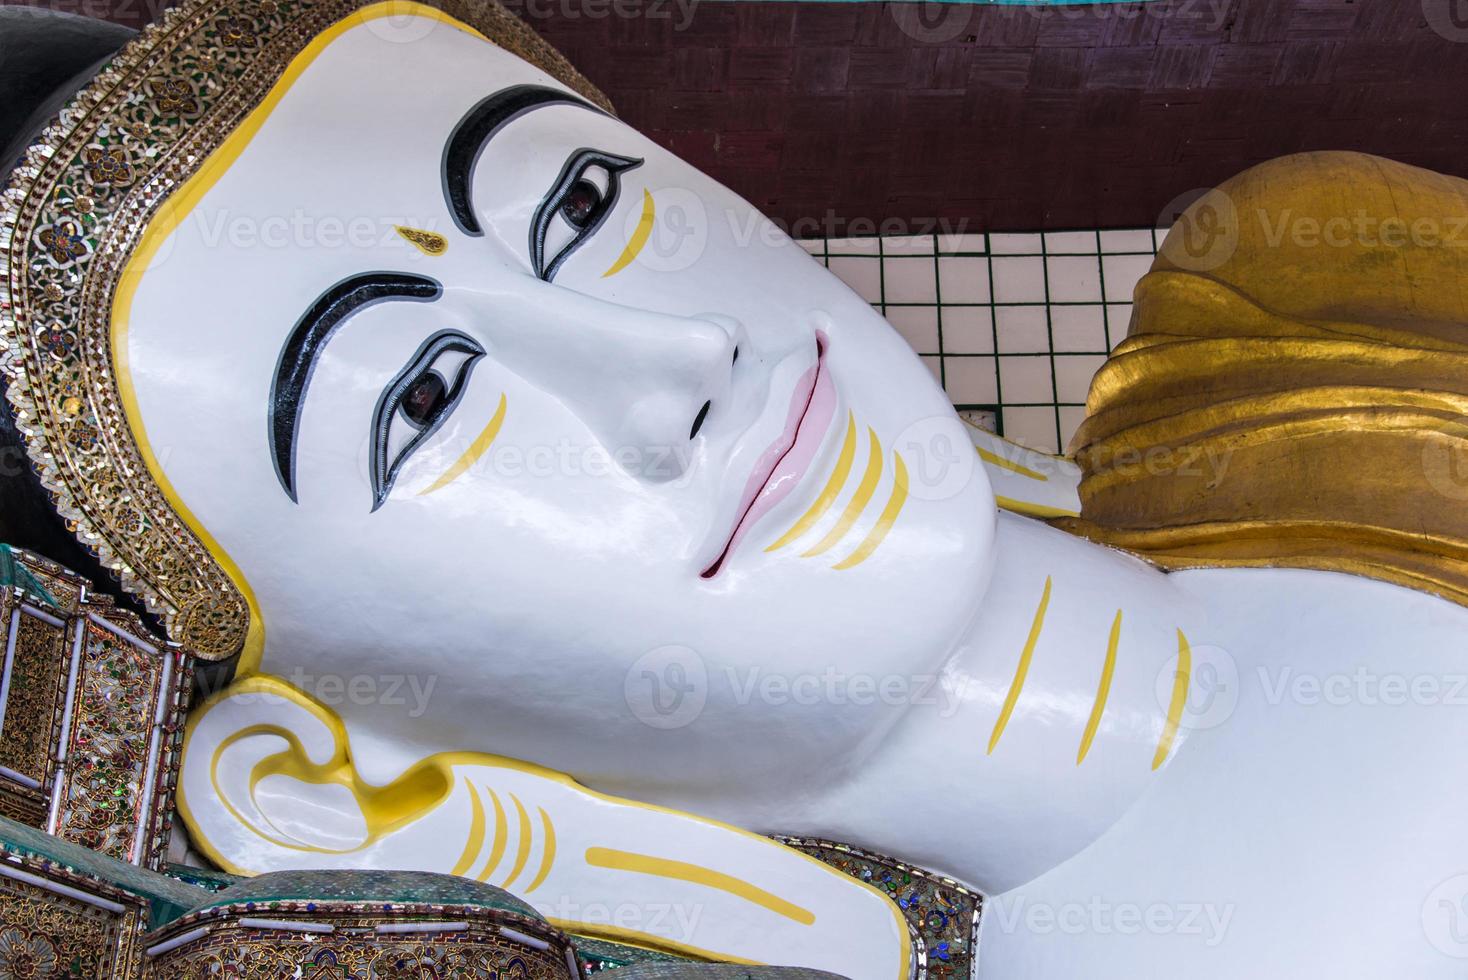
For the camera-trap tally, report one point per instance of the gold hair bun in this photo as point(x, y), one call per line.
point(1294, 387)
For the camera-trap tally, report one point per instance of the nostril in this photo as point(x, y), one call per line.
point(736, 356)
point(698, 421)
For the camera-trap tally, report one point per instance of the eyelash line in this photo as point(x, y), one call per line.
point(385, 472)
point(575, 167)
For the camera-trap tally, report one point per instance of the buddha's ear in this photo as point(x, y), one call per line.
point(267, 782)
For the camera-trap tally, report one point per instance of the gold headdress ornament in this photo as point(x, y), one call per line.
point(1294, 387)
point(70, 218)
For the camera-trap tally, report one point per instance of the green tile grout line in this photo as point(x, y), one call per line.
point(994, 331)
point(1105, 304)
point(1050, 339)
point(938, 315)
point(928, 246)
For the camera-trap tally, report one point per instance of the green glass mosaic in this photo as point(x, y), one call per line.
point(386, 887)
point(167, 897)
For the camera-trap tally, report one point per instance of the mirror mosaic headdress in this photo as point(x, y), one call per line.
point(75, 209)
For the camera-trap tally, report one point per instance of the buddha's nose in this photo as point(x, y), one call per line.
point(646, 384)
point(655, 384)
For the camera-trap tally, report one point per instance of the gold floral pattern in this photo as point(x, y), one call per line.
point(107, 165)
point(32, 708)
point(174, 97)
point(26, 956)
point(64, 243)
point(117, 693)
point(46, 936)
point(942, 914)
point(237, 32)
point(58, 341)
point(114, 789)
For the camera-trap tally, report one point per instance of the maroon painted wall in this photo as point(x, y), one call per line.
point(993, 117)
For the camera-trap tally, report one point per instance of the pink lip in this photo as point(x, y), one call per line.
point(781, 467)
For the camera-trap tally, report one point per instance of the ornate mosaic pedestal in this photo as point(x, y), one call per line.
point(66, 911)
point(361, 924)
point(91, 715)
point(943, 913)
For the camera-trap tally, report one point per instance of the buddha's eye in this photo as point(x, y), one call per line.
point(575, 207)
point(424, 397)
point(582, 201)
point(416, 402)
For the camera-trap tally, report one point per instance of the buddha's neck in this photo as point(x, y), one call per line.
point(1052, 717)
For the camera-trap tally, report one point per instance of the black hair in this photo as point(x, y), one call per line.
point(45, 56)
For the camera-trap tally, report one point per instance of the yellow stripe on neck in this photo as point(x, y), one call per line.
point(1022, 669)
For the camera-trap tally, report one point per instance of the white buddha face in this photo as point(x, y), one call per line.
point(512, 470)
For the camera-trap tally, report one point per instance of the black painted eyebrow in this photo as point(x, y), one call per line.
point(477, 128)
point(309, 337)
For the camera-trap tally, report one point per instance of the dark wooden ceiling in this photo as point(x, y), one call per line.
point(1004, 117)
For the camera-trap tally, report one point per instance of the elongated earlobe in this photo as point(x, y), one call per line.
point(262, 754)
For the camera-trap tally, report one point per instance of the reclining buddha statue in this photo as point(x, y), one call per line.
point(569, 528)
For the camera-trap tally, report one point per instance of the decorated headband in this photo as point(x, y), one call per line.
point(74, 211)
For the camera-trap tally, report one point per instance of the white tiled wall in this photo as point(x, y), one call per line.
point(1015, 324)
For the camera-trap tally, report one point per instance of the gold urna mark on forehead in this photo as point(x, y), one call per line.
point(430, 243)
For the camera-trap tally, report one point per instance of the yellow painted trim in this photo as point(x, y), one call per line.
point(639, 238)
point(255, 777)
point(1007, 464)
point(1180, 681)
point(398, 797)
point(884, 523)
point(475, 843)
point(522, 851)
point(646, 940)
point(471, 455)
point(548, 851)
point(1022, 669)
point(829, 492)
point(1103, 690)
point(1032, 510)
point(501, 837)
point(615, 860)
point(169, 217)
point(858, 501)
point(1018, 447)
